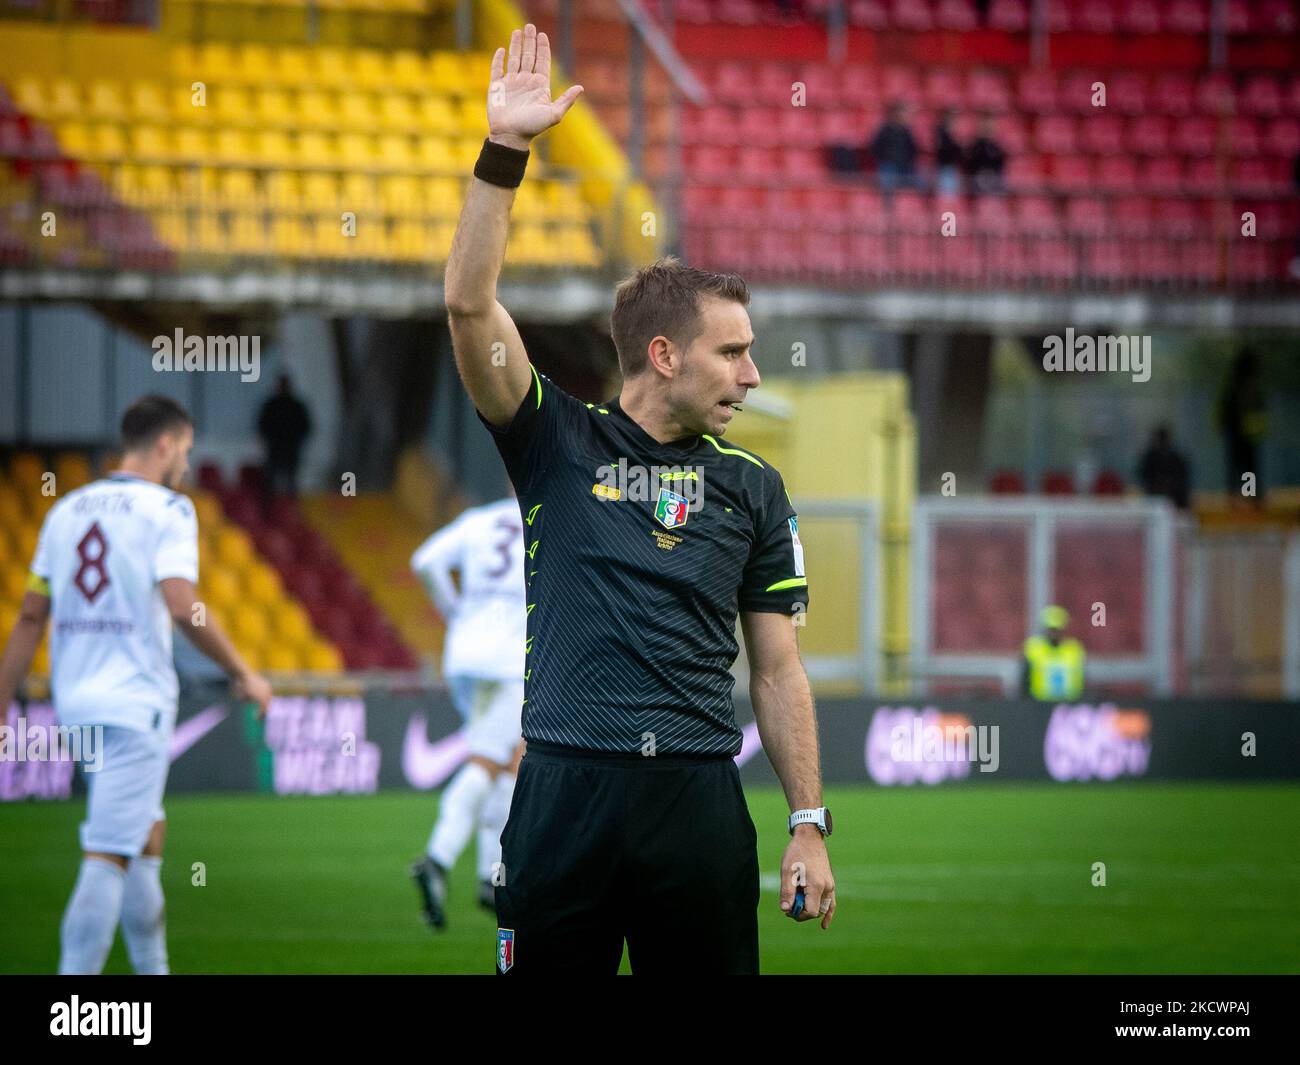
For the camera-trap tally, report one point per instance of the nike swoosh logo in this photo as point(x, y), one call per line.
point(425, 764)
point(192, 729)
point(750, 745)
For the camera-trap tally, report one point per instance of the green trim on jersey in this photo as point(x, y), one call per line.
point(539, 385)
point(732, 451)
point(793, 582)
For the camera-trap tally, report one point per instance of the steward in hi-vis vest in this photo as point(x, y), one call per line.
point(1053, 665)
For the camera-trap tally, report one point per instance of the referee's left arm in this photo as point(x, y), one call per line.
point(787, 725)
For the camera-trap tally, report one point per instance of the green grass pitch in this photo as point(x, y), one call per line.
point(988, 879)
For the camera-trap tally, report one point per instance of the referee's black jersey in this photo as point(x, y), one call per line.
point(639, 555)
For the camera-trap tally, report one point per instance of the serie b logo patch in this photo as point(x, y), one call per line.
point(505, 949)
point(671, 509)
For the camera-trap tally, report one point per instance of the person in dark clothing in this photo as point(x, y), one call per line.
point(1244, 418)
point(948, 157)
point(1163, 470)
point(283, 424)
point(985, 160)
point(894, 150)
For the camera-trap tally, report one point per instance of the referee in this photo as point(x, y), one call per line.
point(645, 535)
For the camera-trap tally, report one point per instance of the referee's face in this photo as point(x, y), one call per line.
point(718, 370)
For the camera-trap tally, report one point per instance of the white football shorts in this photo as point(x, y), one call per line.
point(492, 711)
point(125, 795)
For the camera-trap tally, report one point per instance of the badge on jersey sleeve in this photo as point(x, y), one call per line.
point(671, 510)
point(505, 949)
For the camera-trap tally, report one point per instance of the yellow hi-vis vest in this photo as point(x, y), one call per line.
point(1054, 672)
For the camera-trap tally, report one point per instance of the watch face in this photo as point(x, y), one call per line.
point(826, 814)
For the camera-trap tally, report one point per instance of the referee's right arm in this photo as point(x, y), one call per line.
point(489, 351)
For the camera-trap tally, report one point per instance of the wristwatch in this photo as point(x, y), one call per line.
point(821, 817)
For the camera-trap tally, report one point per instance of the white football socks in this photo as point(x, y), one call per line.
point(458, 813)
point(144, 918)
point(90, 921)
point(496, 811)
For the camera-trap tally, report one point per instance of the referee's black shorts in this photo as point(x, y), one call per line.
point(658, 850)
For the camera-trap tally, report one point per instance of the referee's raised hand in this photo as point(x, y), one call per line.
point(519, 96)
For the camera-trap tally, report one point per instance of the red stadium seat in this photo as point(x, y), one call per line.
point(1011, 16)
point(1102, 134)
point(1007, 482)
point(1126, 93)
point(1108, 483)
point(1195, 136)
point(1087, 217)
point(956, 15)
point(1187, 17)
point(1173, 94)
point(1057, 483)
point(1055, 135)
point(1118, 175)
point(1262, 96)
point(1140, 17)
point(987, 90)
point(1036, 92)
point(1074, 174)
point(1214, 95)
point(1148, 135)
point(1094, 16)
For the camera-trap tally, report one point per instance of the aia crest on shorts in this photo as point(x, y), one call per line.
point(505, 949)
point(671, 510)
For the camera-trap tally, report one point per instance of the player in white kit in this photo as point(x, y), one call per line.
point(116, 564)
point(483, 664)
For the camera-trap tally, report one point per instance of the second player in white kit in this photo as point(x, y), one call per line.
point(116, 564)
point(483, 664)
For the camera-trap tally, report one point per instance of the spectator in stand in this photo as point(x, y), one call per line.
point(894, 150)
point(1163, 470)
point(283, 424)
point(948, 157)
point(1243, 416)
point(985, 160)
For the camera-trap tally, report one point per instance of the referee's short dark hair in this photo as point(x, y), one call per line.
point(663, 299)
point(149, 417)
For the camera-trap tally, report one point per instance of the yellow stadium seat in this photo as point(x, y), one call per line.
point(437, 114)
point(359, 192)
point(434, 153)
point(292, 626)
point(209, 235)
point(255, 64)
point(441, 235)
point(233, 548)
point(237, 186)
point(108, 141)
point(370, 68)
point(65, 98)
point(106, 101)
point(399, 193)
point(186, 106)
point(290, 67)
point(149, 102)
point(410, 239)
point(29, 95)
point(193, 145)
point(396, 112)
point(273, 147)
point(395, 151)
point(207, 509)
point(152, 144)
point(25, 470)
point(248, 234)
point(324, 658)
point(184, 61)
point(230, 103)
point(327, 239)
point(445, 74)
point(12, 511)
point(72, 470)
point(320, 190)
point(216, 62)
point(13, 585)
point(280, 659)
point(221, 587)
point(358, 148)
point(472, 120)
point(317, 108)
point(330, 67)
point(263, 585)
point(173, 228)
point(251, 629)
point(357, 110)
point(232, 146)
point(283, 188)
point(443, 196)
point(317, 149)
point(75, 140)
point(408, 70)
point(273, 107)
point(41, 660)
point(288, 236)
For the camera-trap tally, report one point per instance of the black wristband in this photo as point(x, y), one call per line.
point(501, 165)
